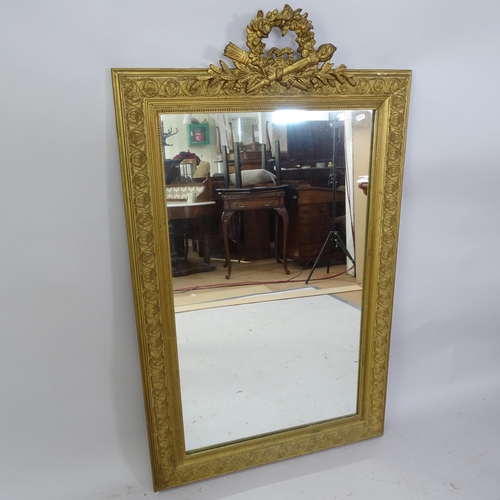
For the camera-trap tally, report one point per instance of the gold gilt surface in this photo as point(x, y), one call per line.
point(260, 81)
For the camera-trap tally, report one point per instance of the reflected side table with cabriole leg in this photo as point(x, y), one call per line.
point(238, 200)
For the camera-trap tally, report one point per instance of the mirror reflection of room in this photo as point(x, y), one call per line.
point(321, 157)
point(257, 173)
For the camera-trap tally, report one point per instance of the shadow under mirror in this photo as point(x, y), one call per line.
point(267, 221)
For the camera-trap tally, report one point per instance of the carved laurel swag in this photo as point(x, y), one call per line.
point(257, 69)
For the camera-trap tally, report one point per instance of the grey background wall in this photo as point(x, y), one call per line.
point(71, 419)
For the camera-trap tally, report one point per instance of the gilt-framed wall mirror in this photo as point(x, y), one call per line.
point(262, 205)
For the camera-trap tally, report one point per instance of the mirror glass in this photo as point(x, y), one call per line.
point(262, 350)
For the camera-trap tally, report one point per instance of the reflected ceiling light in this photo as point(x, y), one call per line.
point(283, 116)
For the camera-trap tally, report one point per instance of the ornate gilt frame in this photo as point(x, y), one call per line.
point(260, 81)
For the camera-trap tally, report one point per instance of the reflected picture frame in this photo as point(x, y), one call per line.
point(198, 134)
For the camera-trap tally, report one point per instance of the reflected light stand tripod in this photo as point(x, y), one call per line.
point(333, 239)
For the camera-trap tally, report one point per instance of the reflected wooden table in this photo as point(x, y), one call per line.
point(238, 200)
point(183, 212)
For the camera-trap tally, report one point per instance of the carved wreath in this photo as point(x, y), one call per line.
point(255, 69)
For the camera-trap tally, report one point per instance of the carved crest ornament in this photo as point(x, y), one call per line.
point(257, 69)
point(262, 80)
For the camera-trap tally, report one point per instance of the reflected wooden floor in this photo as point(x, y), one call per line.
point(260, 277)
